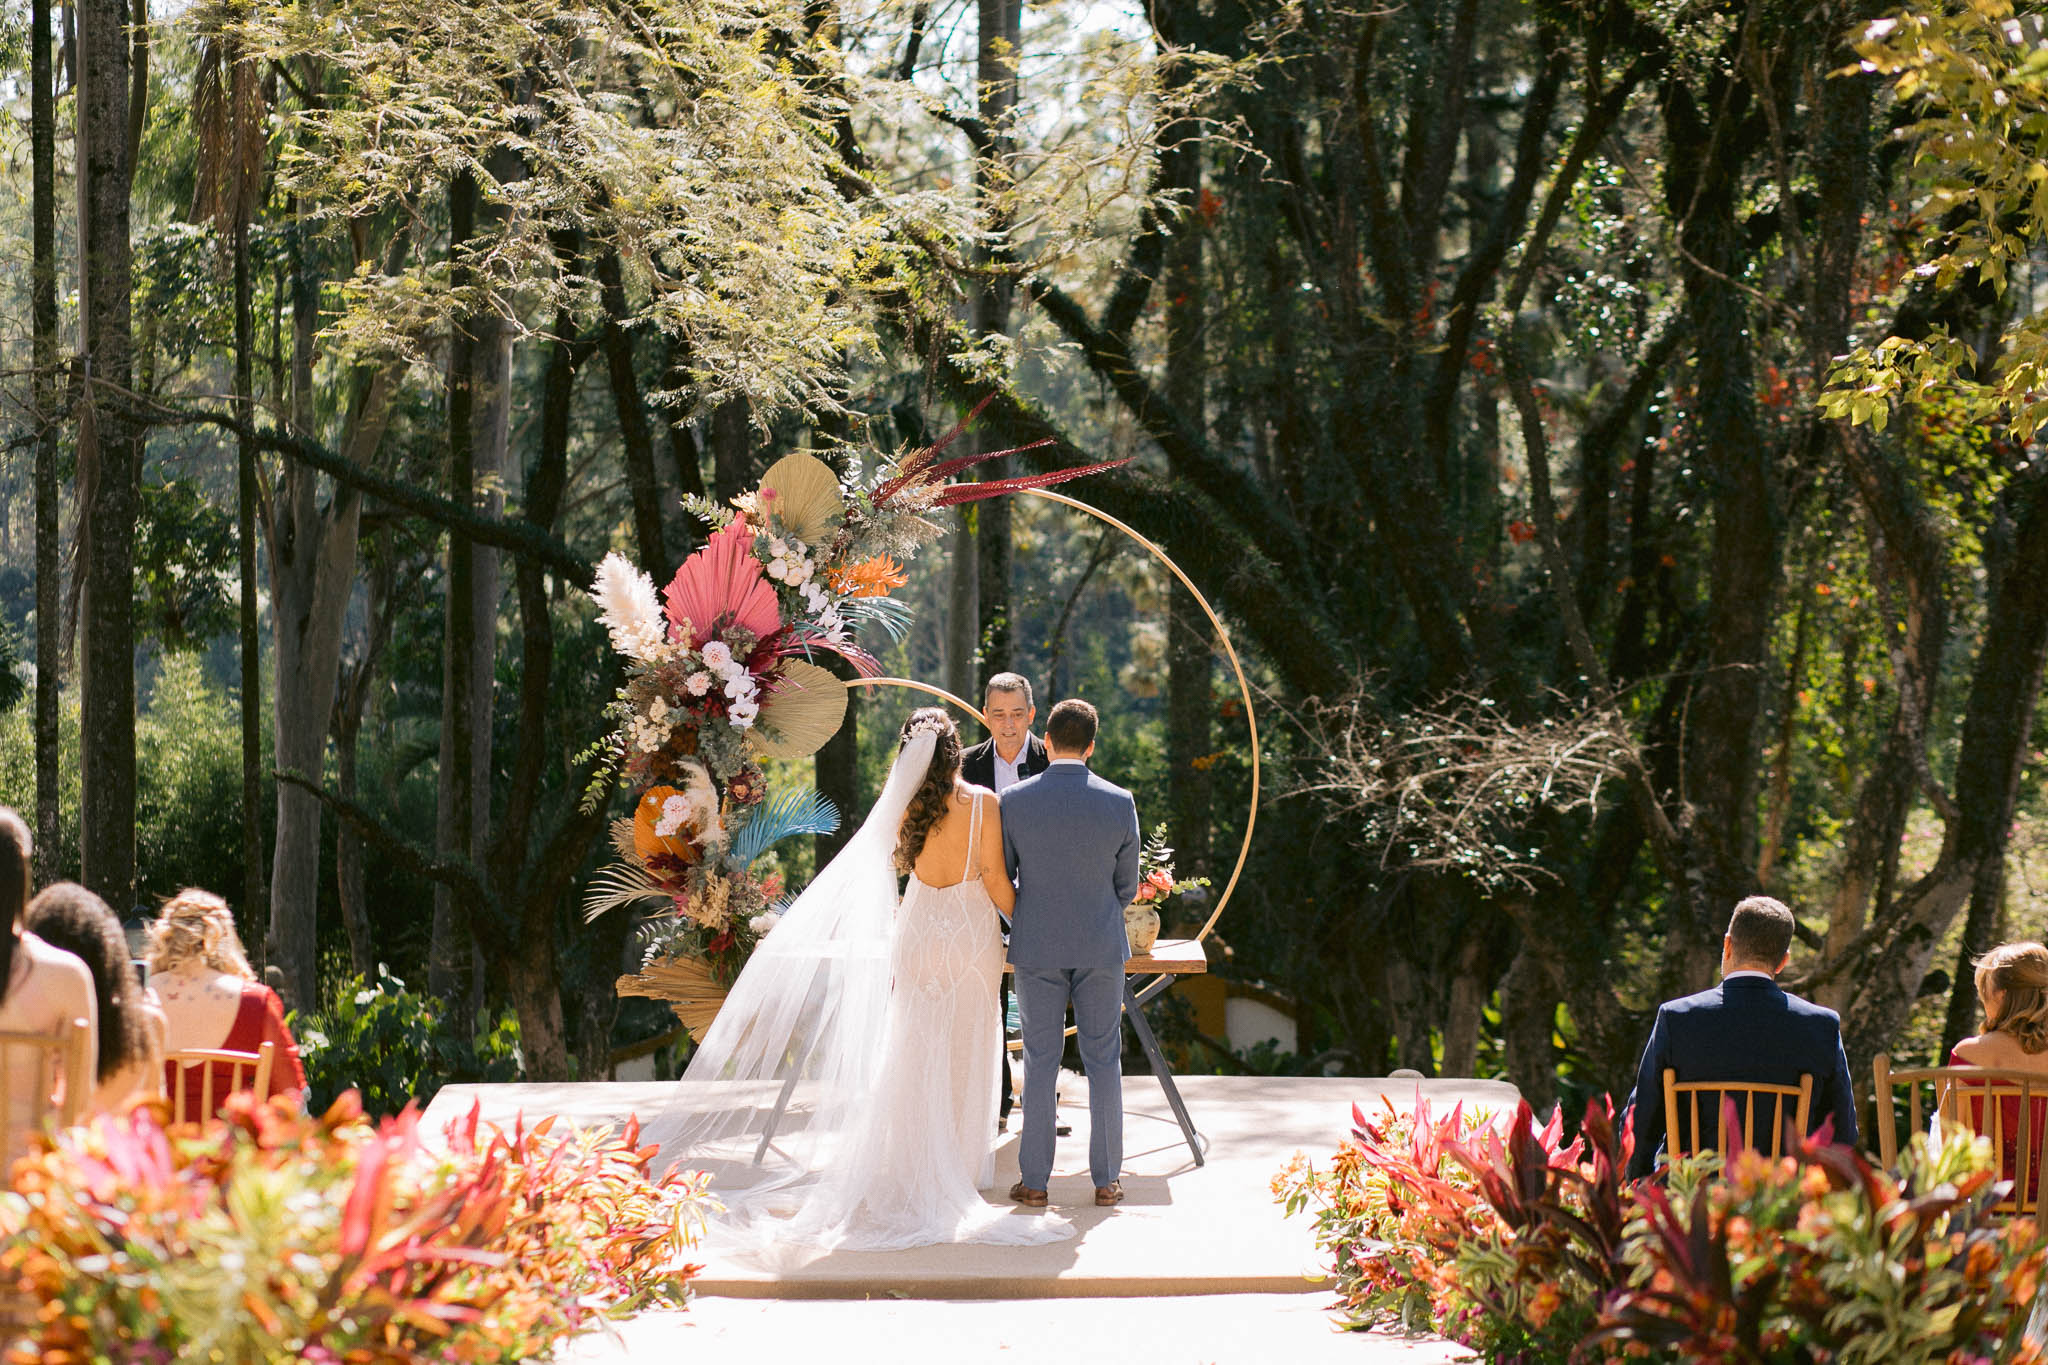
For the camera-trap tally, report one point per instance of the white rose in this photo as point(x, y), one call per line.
point(673, 812)
point(718, 656)
point(698, 683)
point(778, 569)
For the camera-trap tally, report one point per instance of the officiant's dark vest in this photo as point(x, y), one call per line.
point(978, 764)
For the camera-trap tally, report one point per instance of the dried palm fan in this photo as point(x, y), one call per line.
point(803, 493)
point(805, 709)
point(686, 983)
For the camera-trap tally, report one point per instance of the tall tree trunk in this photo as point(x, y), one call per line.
point(836, 771)
point(312, 571)
point(2004, 688)
point(48, 388)
point(2000, 721)
point(636, 437)
point(1189, 656)
point(532, 887)
point(682, 438)
point(456, 786)
point(732, 451)
point(1000, 36)
point(962, 629)
point(110, 456)
point(1722, 741)
point(352, 697)
point(253, 899)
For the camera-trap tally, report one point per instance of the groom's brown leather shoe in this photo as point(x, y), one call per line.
point(1112, 1193)
point(1028, 1197)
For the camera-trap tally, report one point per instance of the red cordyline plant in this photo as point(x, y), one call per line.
point(1531, 1250)
point(1823, 1258)
point(277, 1236)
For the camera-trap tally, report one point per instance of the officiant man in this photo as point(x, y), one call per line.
point(1010, 754)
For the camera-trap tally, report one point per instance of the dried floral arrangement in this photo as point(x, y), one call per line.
point(722, 671)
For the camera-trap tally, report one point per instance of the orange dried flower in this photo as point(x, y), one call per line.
point(876, 577)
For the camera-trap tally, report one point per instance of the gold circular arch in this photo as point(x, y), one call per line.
point(1251, 718)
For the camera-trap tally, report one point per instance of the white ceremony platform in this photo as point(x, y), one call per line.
point(1210, 1233)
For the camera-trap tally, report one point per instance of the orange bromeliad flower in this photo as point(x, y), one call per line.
point(875, 577)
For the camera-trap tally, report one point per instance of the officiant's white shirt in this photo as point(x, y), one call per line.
point(1006, 768)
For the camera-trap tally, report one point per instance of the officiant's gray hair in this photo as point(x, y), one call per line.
point(1009, 682)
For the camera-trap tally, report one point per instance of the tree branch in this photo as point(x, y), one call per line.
point(459, 875)
point(515, 536)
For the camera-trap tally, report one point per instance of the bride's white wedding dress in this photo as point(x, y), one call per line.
point(845, 1098)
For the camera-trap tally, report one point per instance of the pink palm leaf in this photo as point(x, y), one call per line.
point(721, 585)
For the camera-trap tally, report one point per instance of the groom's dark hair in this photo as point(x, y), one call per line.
point(1071, 726)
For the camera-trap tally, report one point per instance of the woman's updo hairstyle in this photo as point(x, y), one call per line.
point(928, 803)
point(2018, 974)
point(197, 926)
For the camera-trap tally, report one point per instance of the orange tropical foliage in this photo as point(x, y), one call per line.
point(876, 577)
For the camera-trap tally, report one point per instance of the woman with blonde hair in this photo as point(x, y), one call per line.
point(211, 998)
point(2012, 989)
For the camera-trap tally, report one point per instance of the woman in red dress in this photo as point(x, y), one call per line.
point(212, 1000)
point(2012, 988)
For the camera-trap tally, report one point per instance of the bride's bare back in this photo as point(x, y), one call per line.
point(943, 861)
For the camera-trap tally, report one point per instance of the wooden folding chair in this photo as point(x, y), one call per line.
point(27, 1083)
point(1745, 1094)
point(1974, 1098)
point(255, 1065)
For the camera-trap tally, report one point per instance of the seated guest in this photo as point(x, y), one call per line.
point(1745, 1029)
point(2012, 989)
point(212, 1000)
point(42, 990)
point(132, 1027)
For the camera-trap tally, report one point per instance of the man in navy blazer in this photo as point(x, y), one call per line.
point(1070, 842)
point(1745, 1029)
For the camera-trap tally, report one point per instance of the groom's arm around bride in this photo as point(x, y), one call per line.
point(1070, 841)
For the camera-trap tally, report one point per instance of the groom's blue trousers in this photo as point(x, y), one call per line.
point(1097, 994)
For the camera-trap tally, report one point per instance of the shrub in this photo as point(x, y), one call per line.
point(393, 1047)
point(1823, 1257)
point(1390, 1212)
point(1498, 1235)
point(276, 1236)
point(1532, 1251)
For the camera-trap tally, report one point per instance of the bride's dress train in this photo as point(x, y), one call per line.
point(845, 1099)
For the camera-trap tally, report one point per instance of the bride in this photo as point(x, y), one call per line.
point(845, 1097)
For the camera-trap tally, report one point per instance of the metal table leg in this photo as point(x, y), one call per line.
point(1139, 1026)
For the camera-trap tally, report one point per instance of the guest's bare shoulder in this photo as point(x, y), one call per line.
point(46, 956)
point(1974, 1051)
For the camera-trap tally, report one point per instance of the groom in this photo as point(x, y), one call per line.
point(1070, 842)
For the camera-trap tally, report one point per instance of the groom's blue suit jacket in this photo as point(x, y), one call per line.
point(1070, 841)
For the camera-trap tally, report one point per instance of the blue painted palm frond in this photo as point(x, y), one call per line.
point(884, 614)
point(800, 810)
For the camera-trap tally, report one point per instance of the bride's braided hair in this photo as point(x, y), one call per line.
point(928, 804)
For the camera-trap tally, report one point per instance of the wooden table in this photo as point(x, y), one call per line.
point(1169, 959)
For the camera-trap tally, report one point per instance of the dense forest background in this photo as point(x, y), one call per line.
point(1606, 427)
